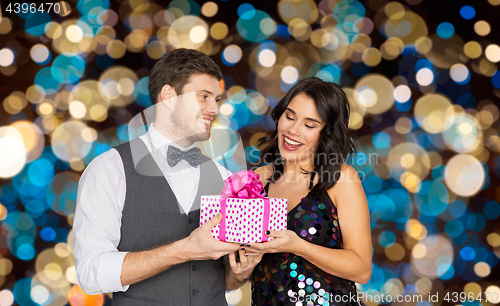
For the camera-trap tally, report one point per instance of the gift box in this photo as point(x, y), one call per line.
point(246, 212)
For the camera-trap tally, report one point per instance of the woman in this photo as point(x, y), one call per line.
point(327, 246)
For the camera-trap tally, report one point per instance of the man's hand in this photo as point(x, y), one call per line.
point(200, 245)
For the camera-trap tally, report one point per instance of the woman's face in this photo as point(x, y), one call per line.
point(299, 130)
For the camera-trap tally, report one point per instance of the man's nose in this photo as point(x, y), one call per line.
point(213, 108)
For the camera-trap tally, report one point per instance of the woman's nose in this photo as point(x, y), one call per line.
point(293, 129)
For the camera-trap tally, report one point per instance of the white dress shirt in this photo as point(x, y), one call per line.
point(99, 206)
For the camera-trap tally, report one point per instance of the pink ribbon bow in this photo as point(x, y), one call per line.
point(243, 185)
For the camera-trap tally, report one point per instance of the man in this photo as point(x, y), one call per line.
point(136, 227)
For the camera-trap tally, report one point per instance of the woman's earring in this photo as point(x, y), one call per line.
point(280, 160)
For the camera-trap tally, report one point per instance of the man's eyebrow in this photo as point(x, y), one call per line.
point(310, 119)
point(208, 92)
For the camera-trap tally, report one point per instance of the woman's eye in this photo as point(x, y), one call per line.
point(311, 127)
point(289, 118)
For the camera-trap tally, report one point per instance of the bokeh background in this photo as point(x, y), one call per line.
point(421, 76)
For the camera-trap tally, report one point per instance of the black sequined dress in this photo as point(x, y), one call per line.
point(288, 279)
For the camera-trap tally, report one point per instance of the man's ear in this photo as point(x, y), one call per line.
point(167, 96)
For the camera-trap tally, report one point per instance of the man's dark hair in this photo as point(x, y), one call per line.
point(177, 67)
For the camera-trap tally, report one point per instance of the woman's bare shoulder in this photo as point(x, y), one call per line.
point(348, 185)
point(348, 176)
point(264, 172)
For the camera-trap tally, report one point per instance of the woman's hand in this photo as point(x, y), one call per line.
point(243, 268)
point(284, 242)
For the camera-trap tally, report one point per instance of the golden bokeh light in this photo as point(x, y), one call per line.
point(419, 251)
point(423, 285)
point(472, 49)
point(68, 143)
point(6, 266)
point(209, 9)
point(371, 57)
point(13, 160)
point(116, 49)
point(413, 161)
point(492, 291)
point(487, 68)
point(305, 10)
point(425, 263)
point(464, 175)
point(492, 53)
point(111, 89)
point(403, 125)
point(394, 10)
point(219, 30)
point(188, 32)
point(74, 33)
point(493, 239)
point(482, 28)
point(415, 229)
point(86, 95)
point(5, 25)
point(395, 252)
point(405, 25)
point(136, 41)
point(482, 269)
point(374, 93)
point(33, 139)
point(156, 50)
point(15, 102)
point(431, 112)
point(423, 45)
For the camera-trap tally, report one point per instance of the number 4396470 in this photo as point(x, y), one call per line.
point(455, 297)
point(33, 7)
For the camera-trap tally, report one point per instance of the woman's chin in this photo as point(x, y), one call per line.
point(292, 157)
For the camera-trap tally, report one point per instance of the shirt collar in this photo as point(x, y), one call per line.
point(161, 142)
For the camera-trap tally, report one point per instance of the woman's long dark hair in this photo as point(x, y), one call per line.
point(334, 142)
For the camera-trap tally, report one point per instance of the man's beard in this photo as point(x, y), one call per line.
point(186, 131)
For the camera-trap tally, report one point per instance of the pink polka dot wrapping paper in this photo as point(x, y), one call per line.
point(244, 217)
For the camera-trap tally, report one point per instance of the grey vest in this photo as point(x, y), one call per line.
point(151, 218)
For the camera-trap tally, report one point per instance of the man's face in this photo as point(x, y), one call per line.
point(196, 107)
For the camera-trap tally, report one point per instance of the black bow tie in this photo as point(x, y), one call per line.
point(192, 156)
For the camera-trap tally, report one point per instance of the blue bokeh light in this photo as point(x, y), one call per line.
point(386, 238)
point(467, 12)
point(41, 172)
point(246, 11)
point(68, 68)
point(255, 26)
point(445, 30)
point(48, 234)
point(467, 253)
point(491, 210)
